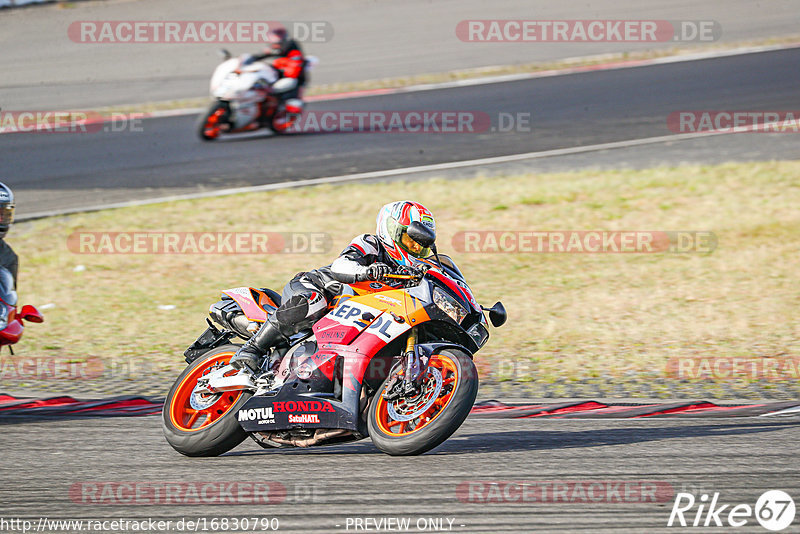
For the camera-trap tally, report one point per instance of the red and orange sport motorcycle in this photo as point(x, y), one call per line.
point(389, 361)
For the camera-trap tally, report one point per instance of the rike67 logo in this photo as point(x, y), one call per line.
point(774, 510)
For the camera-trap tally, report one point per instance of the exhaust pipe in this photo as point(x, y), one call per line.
point(320, 435)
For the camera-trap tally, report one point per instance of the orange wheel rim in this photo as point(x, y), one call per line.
point(422, 410)
point(212, 407)
point(283, 121)
point(211, 128)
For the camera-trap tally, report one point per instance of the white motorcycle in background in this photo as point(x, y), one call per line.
point(249, 95)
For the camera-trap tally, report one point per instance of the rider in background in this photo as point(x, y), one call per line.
point(8, 258)
point(290, 63)
point(306, 297)
point(289, 56)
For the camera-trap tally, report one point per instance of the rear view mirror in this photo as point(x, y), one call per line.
point(421, 234)
point(31, 314)
point(497, 314)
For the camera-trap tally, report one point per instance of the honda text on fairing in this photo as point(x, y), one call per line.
point(392, 361)
point(11, 327)
point(250, 95)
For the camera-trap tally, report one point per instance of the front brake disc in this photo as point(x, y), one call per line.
point(399, 412)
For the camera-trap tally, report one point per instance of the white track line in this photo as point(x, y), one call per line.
point(455, 164)
point(612, 65)
point(485, 80)
point(395, 172)
point(794, 410)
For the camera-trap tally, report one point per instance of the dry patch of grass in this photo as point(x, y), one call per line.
point(571, 315)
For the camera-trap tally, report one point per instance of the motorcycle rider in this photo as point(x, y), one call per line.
point(8, 258)
point(368, 257)
point(289, 62)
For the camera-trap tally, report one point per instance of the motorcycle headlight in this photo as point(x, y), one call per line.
point(449, 305)
point(479, 334)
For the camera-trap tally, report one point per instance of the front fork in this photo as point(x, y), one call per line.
point(414, 364)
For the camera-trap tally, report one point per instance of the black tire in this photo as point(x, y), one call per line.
point(218, 437)
point(442, 425)
point(202, 120)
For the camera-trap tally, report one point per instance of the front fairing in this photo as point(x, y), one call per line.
point(471, 331)
point(232, 81)
point(454, 283)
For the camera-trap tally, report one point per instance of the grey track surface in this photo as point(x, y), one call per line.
point(740, 458)
point(57, 171)
point(42, 69)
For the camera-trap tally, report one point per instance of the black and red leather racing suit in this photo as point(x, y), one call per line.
point(290, 64)
point(306, 297)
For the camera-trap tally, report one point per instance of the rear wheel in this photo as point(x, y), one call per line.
point(209, 124)
point(203, 424)
point(282, 120)
point(410, 426)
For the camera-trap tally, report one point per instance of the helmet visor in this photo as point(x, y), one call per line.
point(412, 247)
point(6, 214)
point(277, 40)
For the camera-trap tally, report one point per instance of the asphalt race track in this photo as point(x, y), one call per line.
point(91, 469)
point(739, 458)
point(58, 171)
point(42, 67)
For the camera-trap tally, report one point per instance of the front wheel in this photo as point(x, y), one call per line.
point(209, 124)
point(415, 425)
point(203, 424)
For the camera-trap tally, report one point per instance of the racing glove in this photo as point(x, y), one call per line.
point(376, 271)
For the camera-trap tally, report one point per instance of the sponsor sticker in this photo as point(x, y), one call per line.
point(264, 416)
point(304, 418)
point(303, 406)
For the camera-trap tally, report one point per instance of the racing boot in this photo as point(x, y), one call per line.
point(251, 354)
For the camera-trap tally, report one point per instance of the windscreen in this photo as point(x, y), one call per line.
point(449, 265)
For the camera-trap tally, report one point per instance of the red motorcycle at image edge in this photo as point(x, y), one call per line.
point(11, 327)
point(392, 361)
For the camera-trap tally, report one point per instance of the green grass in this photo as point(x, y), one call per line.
point(570, 315)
